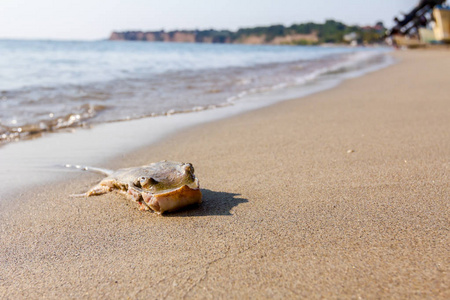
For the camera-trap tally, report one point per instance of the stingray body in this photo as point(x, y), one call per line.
point(163, 186)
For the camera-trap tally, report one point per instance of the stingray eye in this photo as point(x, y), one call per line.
point(147, 181)
point(188, 168)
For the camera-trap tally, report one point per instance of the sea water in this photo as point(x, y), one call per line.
point(51, 85)
point(154, 89)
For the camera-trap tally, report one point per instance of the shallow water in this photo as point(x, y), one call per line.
point(32, 162)
point(49, 85)
point(207, 92)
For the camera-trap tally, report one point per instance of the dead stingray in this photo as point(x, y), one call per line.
point(163, 186)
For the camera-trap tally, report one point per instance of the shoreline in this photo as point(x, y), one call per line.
point(29, 163)
point(288, 211)
point(215, 92)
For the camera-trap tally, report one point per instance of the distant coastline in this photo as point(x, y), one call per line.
point(298, 34)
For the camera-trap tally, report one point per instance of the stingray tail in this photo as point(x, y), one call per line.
point(106, 172)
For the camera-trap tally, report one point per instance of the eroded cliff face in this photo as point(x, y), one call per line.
point(159, 36)
point(155, 36)
point(296, 39)
point(289, 39)
point(116, 36)
point(196, 37)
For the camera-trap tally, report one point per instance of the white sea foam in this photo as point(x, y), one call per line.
point(47, 85)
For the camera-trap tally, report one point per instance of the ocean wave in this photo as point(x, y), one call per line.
point(29, 111)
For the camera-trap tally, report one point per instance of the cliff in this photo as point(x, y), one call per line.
point(182, 36)
point(297, 34)
point(201, 37)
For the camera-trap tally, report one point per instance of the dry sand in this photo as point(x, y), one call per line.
point(288, 212)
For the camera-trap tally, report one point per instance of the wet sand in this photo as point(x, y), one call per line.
point(342, 194)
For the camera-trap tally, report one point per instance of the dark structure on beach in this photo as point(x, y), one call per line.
point(419, 16)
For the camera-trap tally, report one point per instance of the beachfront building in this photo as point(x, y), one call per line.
point(442, 26)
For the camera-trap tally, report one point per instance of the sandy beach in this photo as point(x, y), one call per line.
point(341, 194)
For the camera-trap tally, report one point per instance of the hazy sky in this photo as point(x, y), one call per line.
point(95, 19)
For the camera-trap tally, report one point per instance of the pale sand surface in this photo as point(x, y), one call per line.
point(287, 212)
